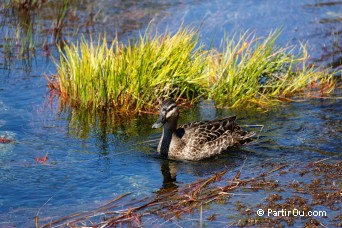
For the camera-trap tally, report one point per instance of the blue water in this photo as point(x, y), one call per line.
point(89, 165)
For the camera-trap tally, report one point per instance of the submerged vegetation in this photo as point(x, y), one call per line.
point(171, 206)
point(29, 28)
point(134, 76)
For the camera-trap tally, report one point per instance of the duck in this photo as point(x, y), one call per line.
point(197, 140)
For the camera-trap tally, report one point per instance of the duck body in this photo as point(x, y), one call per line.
point(198, 140)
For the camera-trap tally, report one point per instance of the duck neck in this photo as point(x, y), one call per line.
point(168, 130)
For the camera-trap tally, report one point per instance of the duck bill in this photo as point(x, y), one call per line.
point(160, 122)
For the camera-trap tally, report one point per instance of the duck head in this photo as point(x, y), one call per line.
point(168, 114)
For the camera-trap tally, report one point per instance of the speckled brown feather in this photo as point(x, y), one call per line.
point(205, 139)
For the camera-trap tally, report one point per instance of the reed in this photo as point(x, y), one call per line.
point(134, 76)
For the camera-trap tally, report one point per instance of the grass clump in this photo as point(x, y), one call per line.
point(135, 76)
point(254, 70)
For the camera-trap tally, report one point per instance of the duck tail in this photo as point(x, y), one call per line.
point(246, 137)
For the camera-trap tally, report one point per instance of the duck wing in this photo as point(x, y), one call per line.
point(201, 132)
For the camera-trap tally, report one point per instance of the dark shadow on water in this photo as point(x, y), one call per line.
point(169, 171)
point(232, 159)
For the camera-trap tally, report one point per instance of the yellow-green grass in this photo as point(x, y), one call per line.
point(135, 76)
point(253, 70)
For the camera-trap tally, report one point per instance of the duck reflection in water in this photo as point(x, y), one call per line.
point(169, 171)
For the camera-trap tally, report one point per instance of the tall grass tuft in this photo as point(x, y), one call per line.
point(253, 70)
point(135, 76)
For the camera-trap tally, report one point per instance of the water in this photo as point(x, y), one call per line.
point(88, 165)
